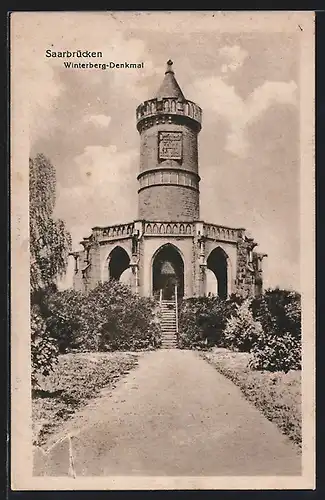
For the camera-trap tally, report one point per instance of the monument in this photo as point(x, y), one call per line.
point(170, 251)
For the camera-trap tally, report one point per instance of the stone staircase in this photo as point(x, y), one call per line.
point(168, 324)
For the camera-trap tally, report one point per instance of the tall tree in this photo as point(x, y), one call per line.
point(50, 242)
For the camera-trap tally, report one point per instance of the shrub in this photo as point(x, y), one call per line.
point(113, 318)
point(63, 318)
point(242, 330)
point(202, 321)
point(44, 353)
point(279, 348)
point(279, 311)
point(276, 353)
point(108, 318)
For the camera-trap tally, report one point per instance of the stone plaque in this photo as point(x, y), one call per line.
point(170, 145)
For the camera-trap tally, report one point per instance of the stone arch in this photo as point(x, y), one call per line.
point(218, 263)
point(118, 261)
point(167, 269)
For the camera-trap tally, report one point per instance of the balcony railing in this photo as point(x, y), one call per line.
point(214, 231)
point(116, 231)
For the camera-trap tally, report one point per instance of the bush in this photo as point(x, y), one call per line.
point(108, 318)
point(113, 318)
point(279, 348)
point(63, 318)
point(242, 330)
point(279, 311)
point(276, 353)
point(44, 353)
point(202, 321)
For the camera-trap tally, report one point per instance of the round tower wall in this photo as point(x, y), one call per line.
point(149, 148)
point(168, 178)
point(169, 203)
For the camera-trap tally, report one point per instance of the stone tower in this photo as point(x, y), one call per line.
point(168, 251)
point(168, 180)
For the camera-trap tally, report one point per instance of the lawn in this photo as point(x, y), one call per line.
point(76, 379)
point(277, 395)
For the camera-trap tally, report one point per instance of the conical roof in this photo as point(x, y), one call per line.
point(169, 86)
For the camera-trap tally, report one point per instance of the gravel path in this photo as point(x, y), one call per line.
point(173, 415)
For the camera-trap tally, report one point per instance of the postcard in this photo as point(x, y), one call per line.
point(162, 250)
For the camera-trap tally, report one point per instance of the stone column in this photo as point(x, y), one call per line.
point(203, 266)
point(134, 263)
point(198, 248)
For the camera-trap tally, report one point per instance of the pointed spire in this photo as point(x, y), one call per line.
point(169, 86)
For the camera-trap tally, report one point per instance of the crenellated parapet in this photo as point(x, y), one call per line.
point(168, 110)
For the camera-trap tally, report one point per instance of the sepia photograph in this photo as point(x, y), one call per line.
point(162, 248)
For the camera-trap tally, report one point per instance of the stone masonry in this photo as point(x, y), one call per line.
point(168, 244)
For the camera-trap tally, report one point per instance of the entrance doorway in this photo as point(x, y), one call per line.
point(168, 271)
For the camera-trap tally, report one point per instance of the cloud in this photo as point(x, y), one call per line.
point(215, 95)
point(107, 180)
point(99, 120)
point(234, 56)
point(41, 80)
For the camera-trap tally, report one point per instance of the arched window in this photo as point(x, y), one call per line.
point(217, 263)
point(119, 261)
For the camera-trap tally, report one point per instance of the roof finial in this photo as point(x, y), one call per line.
point(169, 66)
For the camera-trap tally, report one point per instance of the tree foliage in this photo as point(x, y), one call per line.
point(44, 352)
point(50, 242)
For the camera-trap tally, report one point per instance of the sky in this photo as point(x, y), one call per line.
point(247, 84)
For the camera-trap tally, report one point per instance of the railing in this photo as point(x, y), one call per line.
point(116, 231)
point(221, 232)
point(178, 228)
point(176, 310)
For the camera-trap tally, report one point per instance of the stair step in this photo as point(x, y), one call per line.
point(168, 324)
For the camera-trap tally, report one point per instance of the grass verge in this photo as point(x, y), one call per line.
point(76, 379)
point(277, 395)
